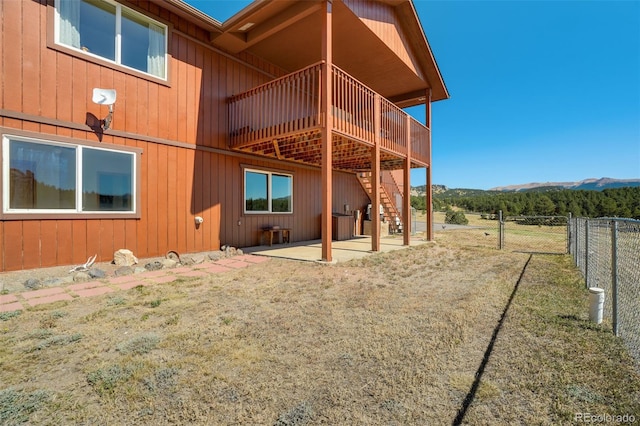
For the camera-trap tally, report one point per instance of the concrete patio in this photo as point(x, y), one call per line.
point(342, 251)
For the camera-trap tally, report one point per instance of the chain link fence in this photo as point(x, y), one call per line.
point(607, 252)
point(481, 229)
point(535, 234)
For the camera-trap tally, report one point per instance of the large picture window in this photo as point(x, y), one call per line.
point(267, 192)
point(52, 177)
point(108, 30)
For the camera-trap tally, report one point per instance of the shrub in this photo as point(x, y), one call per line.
point(139, 345)
point(6, 316)
point(17, 405)
point(104, 380)
point(456, 218)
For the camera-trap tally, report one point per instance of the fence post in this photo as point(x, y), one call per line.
point(586, 252)
point(614, 275)
point(569, 235)
point(500, 231)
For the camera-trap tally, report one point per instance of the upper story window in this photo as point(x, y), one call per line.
point(51, 177)
point(108, 30)
point(267, 192)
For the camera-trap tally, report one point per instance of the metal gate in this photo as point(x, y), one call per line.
point(534, 234)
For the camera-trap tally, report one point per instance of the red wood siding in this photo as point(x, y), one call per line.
point(177, 182)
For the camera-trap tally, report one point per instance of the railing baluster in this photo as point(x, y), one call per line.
point(292, 104)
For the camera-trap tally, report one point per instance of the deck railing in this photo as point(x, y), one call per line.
point(420, 141)
point(291, 104)
point(353, 107)
point(286, 105)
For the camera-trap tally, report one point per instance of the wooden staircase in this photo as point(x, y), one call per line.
point(390, 209)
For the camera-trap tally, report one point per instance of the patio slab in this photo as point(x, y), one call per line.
point(341, 251)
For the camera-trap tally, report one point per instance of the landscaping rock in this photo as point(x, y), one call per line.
point(97, 273)
point(65, 280)
point(168, 263)
point(123, 270)
point(81, 277)
point(124, 257)
point(198, 258)
point(139, 270)
point(33, 283)
point(216, 255)
point(239, 252)
point(50, 282)
point(153, 266)
point(186, 261)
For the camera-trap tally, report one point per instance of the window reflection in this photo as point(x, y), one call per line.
point(97, 28)
point(256, 192)
point(113, 32)
point(41, 176)
point(106, 180)
point(266, 192)
point(44, 176)
point(281, 188)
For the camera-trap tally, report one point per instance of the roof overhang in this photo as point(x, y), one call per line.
point(287, 33)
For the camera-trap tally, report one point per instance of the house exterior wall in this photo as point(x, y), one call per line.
point(186, 168)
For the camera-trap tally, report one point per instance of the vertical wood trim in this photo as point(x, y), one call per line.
point(31, 52)
point(13, 246)
point(162, 206)
point(79, 235)
point(327, 92)
point(31, 245)
point(92, 240)
point(64, 242)
point(153, 175)
point(182, 203)
point(12, 19)
point(106, 230)
point(119, 234)
point(48, 243)
point(189, 200)
point(171, 198)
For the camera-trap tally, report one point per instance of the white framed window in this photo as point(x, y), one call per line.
point(267, 192)
point(108, 30)
point(42, 177)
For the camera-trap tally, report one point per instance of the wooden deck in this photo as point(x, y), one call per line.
point(281, 119)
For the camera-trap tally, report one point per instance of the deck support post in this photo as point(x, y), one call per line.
point(406, 200)
point(429, 183)
point(375, 176)
point(326, 168)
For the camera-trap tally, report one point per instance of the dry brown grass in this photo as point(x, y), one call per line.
point(394, 338)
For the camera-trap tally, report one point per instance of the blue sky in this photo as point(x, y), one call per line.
point(541, 91)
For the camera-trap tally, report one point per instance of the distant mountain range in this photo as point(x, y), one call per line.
point(587, 184)
point(592, 184)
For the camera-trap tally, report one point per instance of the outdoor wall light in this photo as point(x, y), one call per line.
point(105, 97)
